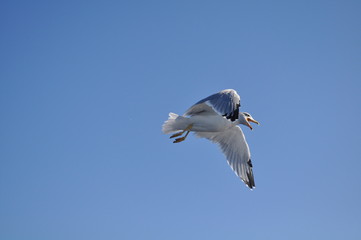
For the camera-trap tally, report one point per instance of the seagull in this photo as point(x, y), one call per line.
point(217, 118)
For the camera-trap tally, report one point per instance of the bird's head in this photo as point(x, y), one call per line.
point(245, 119)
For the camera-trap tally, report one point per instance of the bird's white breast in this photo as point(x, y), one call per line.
point(210, 123)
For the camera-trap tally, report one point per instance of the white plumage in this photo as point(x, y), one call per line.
point(217, 118)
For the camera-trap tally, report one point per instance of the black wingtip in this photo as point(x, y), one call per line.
point(250, 183)
point(249, 162)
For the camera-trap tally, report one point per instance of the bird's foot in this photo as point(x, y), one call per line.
point(177, 134)
point(188, 128)
point(178, 140)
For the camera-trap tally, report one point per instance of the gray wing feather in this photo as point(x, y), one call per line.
point(233, 144)
point(225, 103)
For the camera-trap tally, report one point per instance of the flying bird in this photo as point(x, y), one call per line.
point(217, 118)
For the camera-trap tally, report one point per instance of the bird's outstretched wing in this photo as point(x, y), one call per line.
point(233, 144)
point(225, 103)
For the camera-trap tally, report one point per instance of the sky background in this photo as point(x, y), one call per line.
point(86, 85)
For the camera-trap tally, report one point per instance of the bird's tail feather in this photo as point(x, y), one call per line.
point(175, 123)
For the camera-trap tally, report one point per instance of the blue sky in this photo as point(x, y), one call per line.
point(86, 85)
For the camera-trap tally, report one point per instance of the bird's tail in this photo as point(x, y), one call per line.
point(175, 123)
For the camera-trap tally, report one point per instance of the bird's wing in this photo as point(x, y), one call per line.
point(225, 103)
point(234, 146)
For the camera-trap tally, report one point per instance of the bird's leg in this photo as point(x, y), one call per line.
point(181, 132)
point(181, 139)
point(177, 134)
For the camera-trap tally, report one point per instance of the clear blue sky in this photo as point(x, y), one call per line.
point(86, 85)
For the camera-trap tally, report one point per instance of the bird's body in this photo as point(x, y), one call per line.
point(217, 118)
point(213, 123)
point(202, 123)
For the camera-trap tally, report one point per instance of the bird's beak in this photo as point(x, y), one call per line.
point(251, 120)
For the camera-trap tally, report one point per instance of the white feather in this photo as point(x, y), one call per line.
point(175, 123)
point(233, 144)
